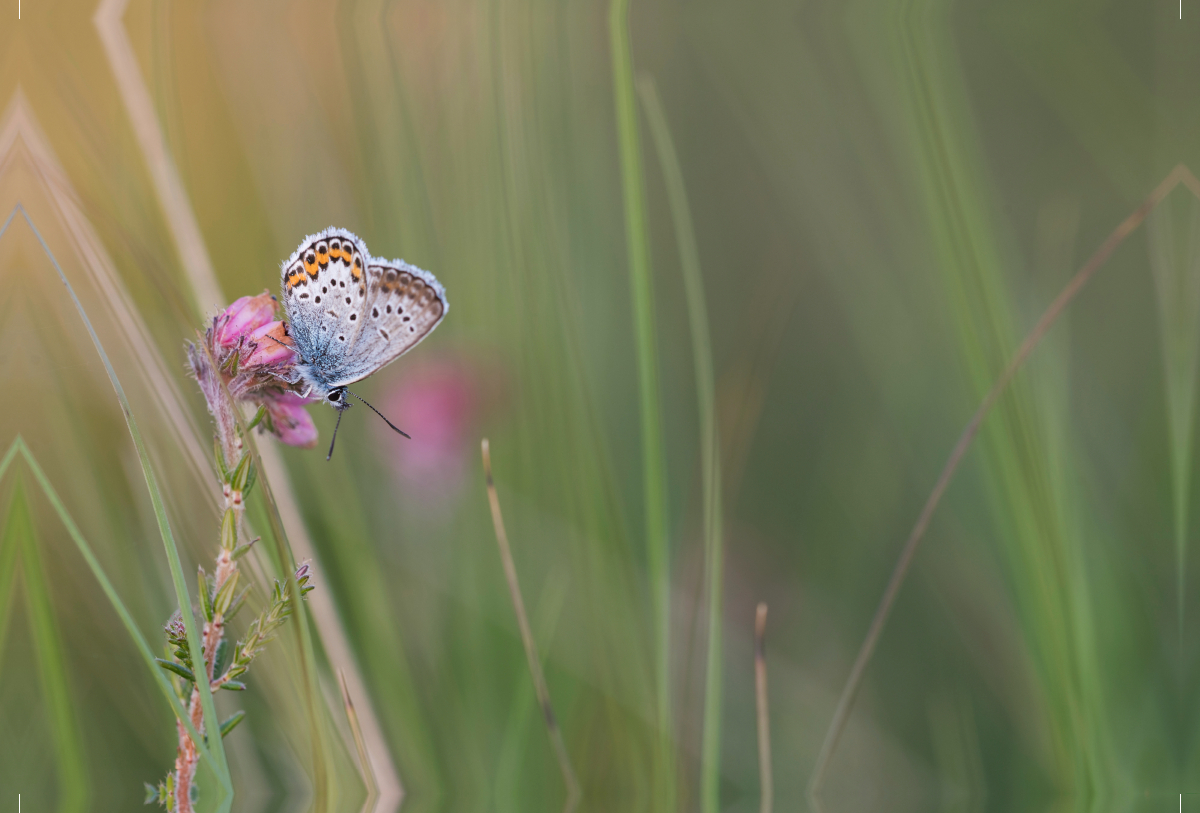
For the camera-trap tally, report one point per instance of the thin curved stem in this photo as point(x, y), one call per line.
point(1179, 174)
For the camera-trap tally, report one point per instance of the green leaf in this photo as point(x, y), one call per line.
point(242, 550)
point(224, 596)
point(251, 478)
point(237, 604)
point(232, 722)
point(241, 473)
point(258, 416)
point(151, 794)
point(222, 658)
point(171, 666)
point(229, 528)
point(220, 458)
point(234, 686)
point(231, 364)
point(205, 599)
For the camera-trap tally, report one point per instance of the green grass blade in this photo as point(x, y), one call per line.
point(654, 473)
point(110, 592)
point(69, 763)
point(212, 723)
point(714, 553)
point(1174, 269)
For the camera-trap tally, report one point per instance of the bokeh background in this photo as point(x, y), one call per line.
point(883, 199)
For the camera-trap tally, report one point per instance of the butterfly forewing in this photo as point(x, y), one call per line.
point(403, 305)
point(325, 293)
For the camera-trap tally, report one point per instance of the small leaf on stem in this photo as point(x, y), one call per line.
point(205, 595)
point(224, 596)
point(171, 666)
point(232, 722)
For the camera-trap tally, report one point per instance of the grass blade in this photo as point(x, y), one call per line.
point(85, 550)
point(654, 472)
point(842, 712)
point(531, 653)
point(360, 745)
point(714, 552)
point(69, 762)
point(762, 709)
point(212, 723)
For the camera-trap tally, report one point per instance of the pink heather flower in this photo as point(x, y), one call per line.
point(290, 420)
point(243, 317)
point(250, 353)
point(269, 345)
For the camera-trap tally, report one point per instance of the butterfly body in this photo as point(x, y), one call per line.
point(350, 314)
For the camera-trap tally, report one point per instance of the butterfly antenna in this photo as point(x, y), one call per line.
point(380, 414)
point(335, 428)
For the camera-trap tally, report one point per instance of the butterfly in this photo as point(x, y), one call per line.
point(350, 314)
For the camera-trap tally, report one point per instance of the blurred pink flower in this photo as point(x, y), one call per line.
point(290, 421)
point(243, 317)
point(269, 346)
point(436, 403)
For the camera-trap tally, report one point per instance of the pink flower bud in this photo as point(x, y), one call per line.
point(243, 317)
point(269, 344)
point(291, 421)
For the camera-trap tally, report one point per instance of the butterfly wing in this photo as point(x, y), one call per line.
point(403, 306)
point(325, 295)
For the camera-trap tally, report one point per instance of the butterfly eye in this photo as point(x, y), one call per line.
point(335, 396)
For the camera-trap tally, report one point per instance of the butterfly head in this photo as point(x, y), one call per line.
point(337, 398)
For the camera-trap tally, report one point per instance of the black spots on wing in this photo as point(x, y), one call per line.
point(407, 318)
point(302, 296)
point(353, 317)
point(389, 308)
point(317, 300)
point(324, 289)
point(385, 335)
point(374, 313)
point(341, 338)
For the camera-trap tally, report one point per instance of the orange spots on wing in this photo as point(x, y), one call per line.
point(356, 271)
point(310, 264)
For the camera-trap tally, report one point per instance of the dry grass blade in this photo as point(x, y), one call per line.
point(360, 745)
point(765, 781)
point(1180, 174)
point(531, 654)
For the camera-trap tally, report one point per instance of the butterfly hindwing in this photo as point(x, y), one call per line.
point(325, 294)
point(403, 306)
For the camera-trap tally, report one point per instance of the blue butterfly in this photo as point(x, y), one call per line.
point(351, 314)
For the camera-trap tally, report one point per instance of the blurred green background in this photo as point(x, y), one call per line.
point(883, 199)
